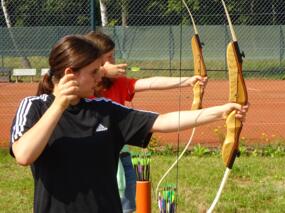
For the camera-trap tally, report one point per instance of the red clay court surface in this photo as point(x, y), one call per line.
point(265, 120)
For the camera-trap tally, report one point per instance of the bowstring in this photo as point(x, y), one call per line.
point(179, 105)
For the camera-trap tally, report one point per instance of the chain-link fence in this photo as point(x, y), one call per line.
point(155, 35)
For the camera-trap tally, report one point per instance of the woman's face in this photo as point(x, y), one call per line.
point(109, 57)
point(88, 77)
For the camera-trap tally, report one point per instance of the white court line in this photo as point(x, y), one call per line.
point(262, 124)
point(258, 90)
point(267, 102)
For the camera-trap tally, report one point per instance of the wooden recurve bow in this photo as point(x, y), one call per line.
point(198, 90)
point(237, 94)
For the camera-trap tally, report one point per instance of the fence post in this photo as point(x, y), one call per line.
point(226, 43)
point(2, 57)
point(92, 15)
point(170, 49)
point(281, 46)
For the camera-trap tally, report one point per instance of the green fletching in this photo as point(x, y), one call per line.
point(135, 69)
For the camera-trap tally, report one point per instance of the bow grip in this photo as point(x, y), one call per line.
point(198, 92)
point(230, 146)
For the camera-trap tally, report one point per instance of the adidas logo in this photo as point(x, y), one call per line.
point(101, 128)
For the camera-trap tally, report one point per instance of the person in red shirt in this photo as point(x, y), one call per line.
point(119, 88)
point(122, 90)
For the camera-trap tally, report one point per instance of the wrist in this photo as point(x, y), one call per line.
point(227, 109)
point(59, 106)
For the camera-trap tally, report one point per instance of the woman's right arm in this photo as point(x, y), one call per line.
point(32, 143)
point(29, 147)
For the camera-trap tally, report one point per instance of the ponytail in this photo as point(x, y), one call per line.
point(45, 86)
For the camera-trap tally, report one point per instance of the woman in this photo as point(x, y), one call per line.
point(73, 143)
point(119, 88)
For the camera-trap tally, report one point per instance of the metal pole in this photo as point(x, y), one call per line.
point(92, 15)
point(226, 44)
point(170, 49)
point(2, 54)
point(281, 46)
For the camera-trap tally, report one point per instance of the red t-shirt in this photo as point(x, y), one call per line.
point(122, 90)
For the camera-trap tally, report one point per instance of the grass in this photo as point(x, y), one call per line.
point(256, 184)
point(16, 186)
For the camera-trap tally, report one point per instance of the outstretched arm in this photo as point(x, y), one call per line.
point(160, 83)
point(169, 122)
point(152, 83)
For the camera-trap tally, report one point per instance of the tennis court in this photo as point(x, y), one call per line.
point(265, 120)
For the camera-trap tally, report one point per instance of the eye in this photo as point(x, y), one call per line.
point(95, 72)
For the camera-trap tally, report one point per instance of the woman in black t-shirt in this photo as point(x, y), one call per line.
point(73, 143)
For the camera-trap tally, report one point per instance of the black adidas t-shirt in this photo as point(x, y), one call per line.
point(76, 173)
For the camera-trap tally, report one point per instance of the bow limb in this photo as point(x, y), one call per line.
point(198, 90)
point(191, 16)
point(237, 94)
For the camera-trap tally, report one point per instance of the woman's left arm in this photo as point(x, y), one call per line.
point(170, 122)
point(160, 83)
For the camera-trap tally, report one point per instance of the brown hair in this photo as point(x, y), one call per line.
point(72, 51)
point(106, 44)
point(103, 41)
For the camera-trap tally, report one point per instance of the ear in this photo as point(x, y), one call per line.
point(68, 70)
